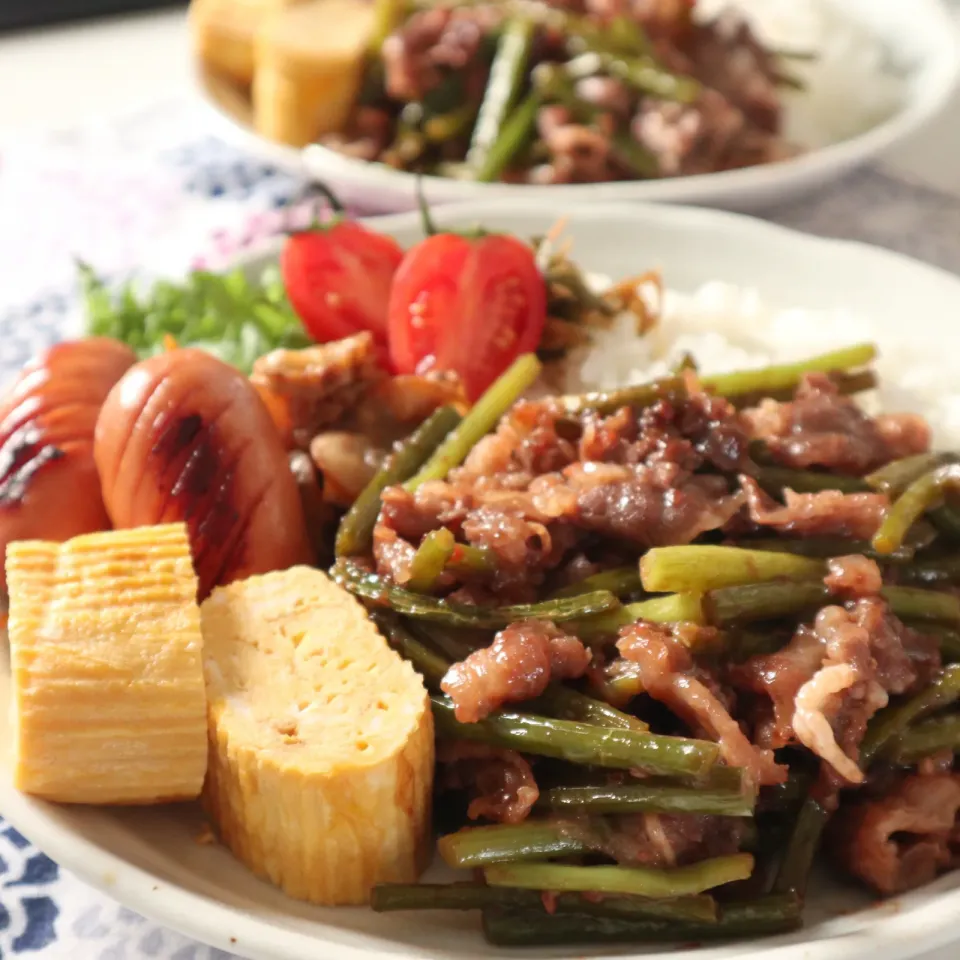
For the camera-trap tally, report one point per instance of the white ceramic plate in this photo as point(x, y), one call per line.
point(922, 43)
point(150, 860)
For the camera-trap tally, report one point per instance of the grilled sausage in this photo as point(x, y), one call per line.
point(49, 486)
point(184, 437)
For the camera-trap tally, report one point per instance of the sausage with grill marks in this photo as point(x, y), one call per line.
point(49, 486)
point(184, 437)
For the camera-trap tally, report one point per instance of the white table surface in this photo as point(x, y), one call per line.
point(57, 78)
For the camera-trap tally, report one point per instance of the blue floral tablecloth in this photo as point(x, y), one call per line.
point(158, 190)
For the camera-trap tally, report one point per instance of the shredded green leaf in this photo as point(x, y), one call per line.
point(228, 315)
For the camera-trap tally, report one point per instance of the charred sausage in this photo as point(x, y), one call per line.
point(49, 486)
point(184, 437)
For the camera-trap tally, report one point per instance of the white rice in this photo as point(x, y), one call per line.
point(725, 327)
point(851, 86)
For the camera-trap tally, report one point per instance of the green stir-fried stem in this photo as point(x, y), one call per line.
point(380, 591)
point(845, 382)
point(777, 479)
point(927, 738)
point(637, 881)
point(915, 603)
point(507, 74)
point(513, 137)
point(565, 703)
point(530, 840)
point(893, 478)
point(481, 419)
point(471, 561)
point(581, 743)
point(932, 572)
point(426, 662)
point(671, 608)
point(518, 927)
point(789, 375)
point(763, 601)
point(608, 401)
point(649, 798)
point(648, 78)
point(698, 568)
point(804, 842)
point(926, 492)
point(769, 601)
point(892, 722)
point(356, 528)
point(386, 897)
point(621, 581)
point(430, 560)
point(827, 547)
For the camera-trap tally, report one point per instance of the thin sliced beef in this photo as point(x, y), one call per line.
point(689, 138)
point(500, 782)
point(853, 576)
point(434, 504)
point(670, 676)
point(435, 44)
point(903, 839)
point(522, 660)
point(827, 513)
point(667, 840)
point(644, 505)
point(827, 683)
point(821, 428)
point(530, 439)
point(546, 482)
point(393, 554)
point(726, 56)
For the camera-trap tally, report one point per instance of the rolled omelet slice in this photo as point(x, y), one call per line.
point(321, 739)
point(309, 66)
point(224, 33)
point(108, 693)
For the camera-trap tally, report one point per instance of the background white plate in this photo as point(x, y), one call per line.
point(150, 859)
point(920, 36)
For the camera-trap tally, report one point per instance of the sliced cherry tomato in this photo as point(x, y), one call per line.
point(338, 278)
point(467, 304)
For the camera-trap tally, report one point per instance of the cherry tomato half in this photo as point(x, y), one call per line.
point(470, 305)
point(338, 279)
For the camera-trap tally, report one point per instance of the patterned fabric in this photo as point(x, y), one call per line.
point(157, 190)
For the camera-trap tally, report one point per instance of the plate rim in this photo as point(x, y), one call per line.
point(923, 920)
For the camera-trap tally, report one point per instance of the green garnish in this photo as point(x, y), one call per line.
point(228, 315)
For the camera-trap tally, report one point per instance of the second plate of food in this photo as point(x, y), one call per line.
point(734, 294)
point(657, 104)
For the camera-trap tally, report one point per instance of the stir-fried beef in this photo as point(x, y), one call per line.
point(668, 840)
point(903, 839)
point(434, 45)
point(854, 576)
point(522, 660)
point(827, 513)
point(832, 677)
point(670, 675)
point(500, 782)
point(821, 428)
point(543, 481)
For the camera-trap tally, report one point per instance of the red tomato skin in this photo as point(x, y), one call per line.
point(467, 305)
point(338, 279)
